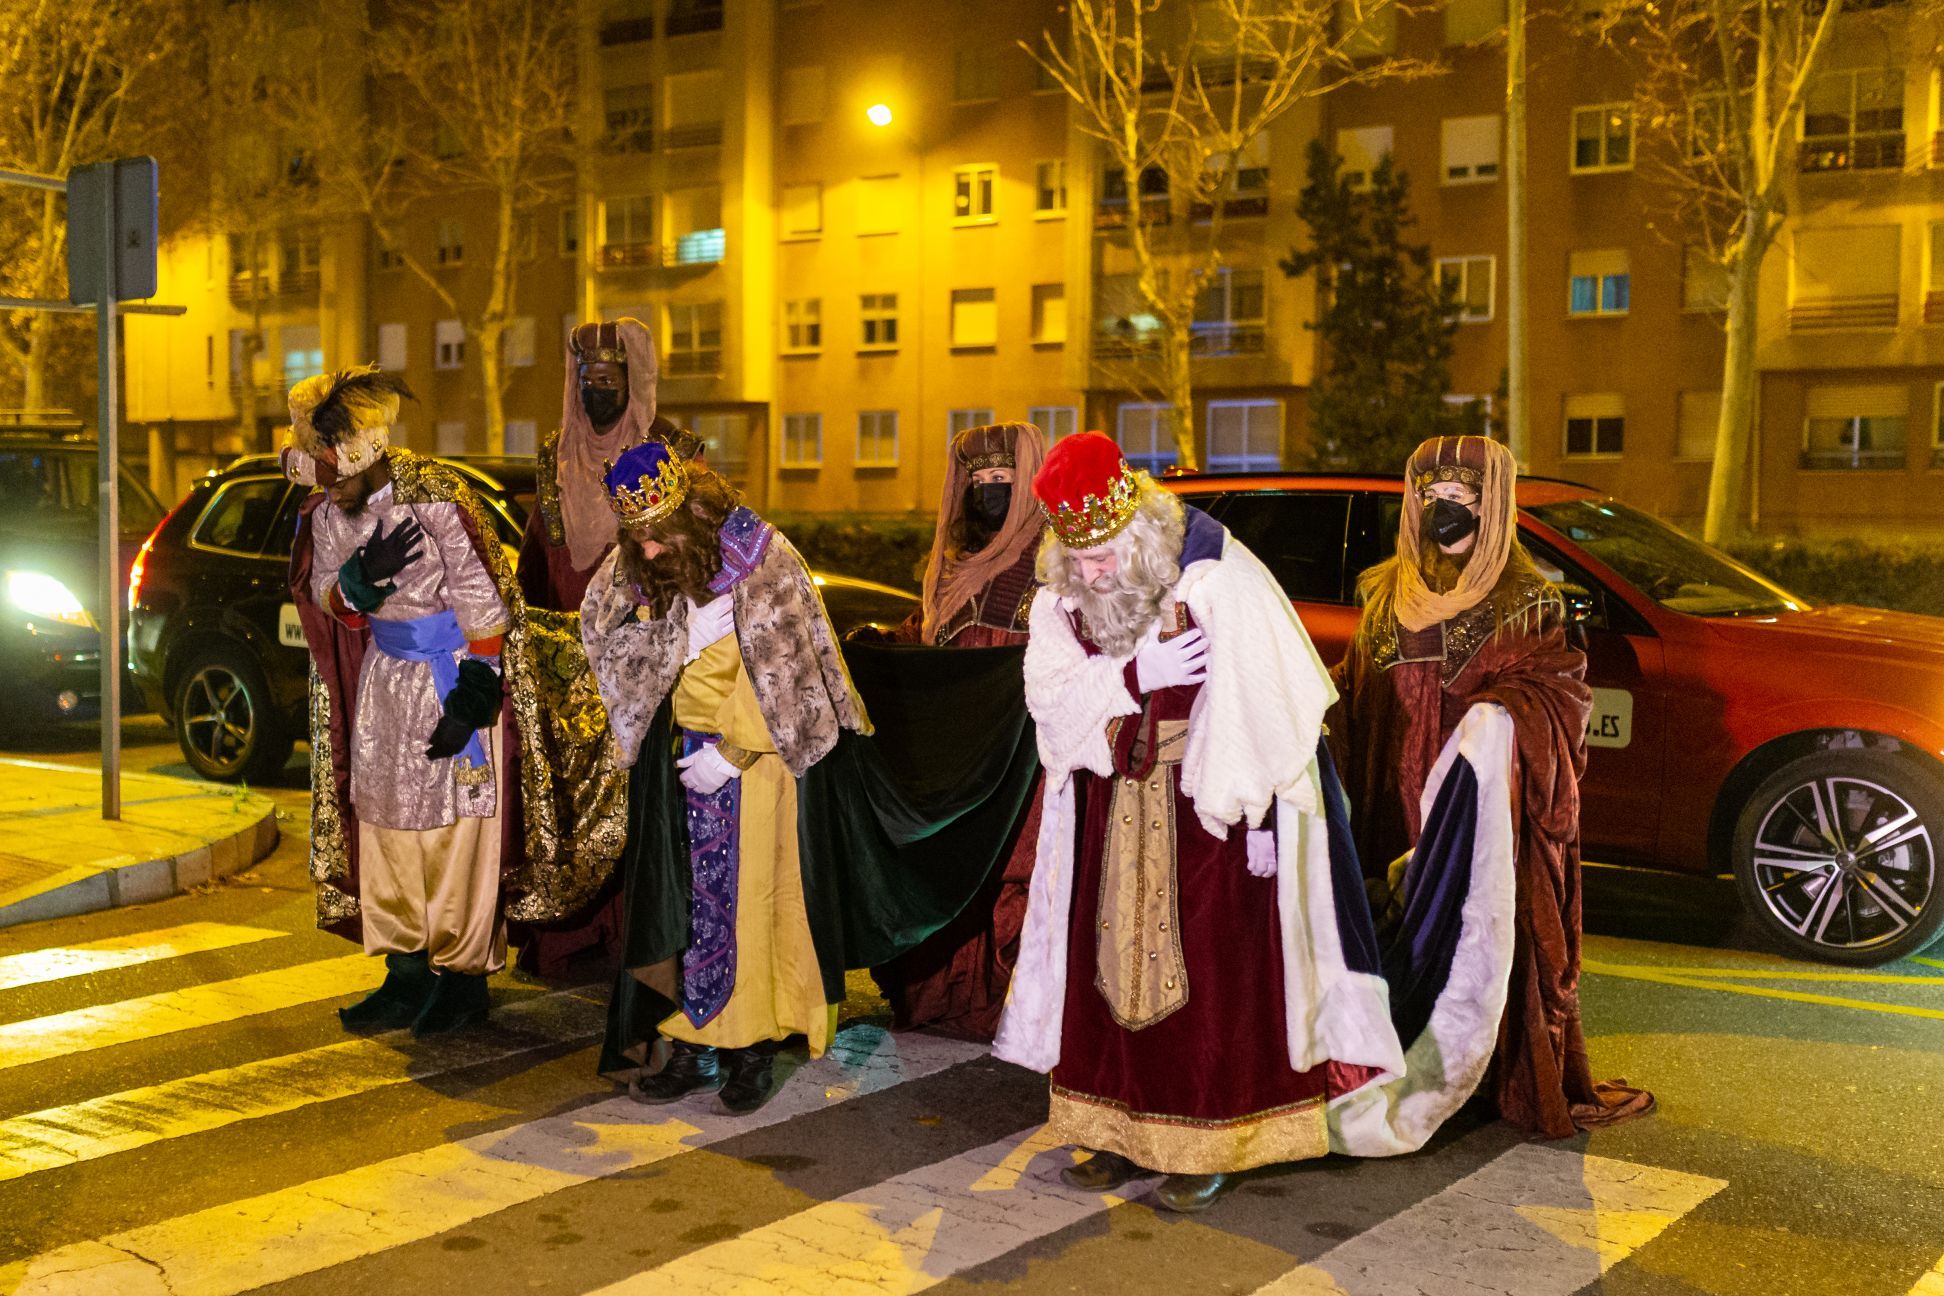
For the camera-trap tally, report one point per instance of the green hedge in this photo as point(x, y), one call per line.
point(891, 550)
point(1904, 575)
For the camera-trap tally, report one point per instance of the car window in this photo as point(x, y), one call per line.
point(42, 487)
point(1299, 535)
point(239, 518)
point(1678, 573)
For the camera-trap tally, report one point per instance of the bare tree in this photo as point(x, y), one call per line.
point(1720, 101)
point(463, 97)
point(1177, 96)
point(68, 74)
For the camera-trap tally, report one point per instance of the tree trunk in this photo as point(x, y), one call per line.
point(493, 323)
point(40, 325)
point(1518, 432)
point(1178, 382)
point(1727, 483)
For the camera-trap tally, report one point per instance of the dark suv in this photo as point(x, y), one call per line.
point(214, 640)
point(50, 649)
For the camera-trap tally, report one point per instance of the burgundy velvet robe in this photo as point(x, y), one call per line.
point(1386, 731)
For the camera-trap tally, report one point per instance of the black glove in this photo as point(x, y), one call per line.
point(473, 704)
point(365, 579)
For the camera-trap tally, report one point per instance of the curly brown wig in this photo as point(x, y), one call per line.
point(691, 551)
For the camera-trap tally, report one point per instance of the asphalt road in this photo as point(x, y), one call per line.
point(179, 1113)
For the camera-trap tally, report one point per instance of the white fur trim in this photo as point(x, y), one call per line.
point(1396, 1114)
point(1029, 1026)
point(1071, 695)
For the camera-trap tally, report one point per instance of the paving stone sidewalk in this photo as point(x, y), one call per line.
point(58, 856)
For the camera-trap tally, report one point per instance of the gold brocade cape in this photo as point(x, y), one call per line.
point(570, 798)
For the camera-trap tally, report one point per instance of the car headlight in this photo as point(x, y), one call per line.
point(40, 595)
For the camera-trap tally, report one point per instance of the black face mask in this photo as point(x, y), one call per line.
point(1447, 521)
point(603, 404)
point(987, 505)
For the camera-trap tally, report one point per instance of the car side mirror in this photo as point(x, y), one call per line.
point(1580, 604)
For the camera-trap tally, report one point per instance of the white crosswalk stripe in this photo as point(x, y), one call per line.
point(300, 1230)
point(1932, 1283)
point(37, 967)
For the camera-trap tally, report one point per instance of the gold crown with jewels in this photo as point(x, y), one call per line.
point(1100, 517)
point(650, 499)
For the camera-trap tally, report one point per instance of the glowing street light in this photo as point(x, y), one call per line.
point(878, 114)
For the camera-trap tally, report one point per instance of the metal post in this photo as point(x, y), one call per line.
point(108, 506)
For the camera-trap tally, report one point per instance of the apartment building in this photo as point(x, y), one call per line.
point(856, 227)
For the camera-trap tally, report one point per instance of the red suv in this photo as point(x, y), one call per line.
point(1735, 727)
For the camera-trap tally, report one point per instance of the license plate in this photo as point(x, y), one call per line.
point(290, 627)
point(1611, 724)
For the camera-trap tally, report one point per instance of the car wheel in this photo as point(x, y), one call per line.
point(225, 723)
point(1837, 853)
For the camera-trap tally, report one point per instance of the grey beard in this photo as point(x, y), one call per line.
point(1117, 621)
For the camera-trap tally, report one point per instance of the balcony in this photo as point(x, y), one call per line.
point(626, 31)
point(246, 288)
point(699, 248)
point(688, 16)
point(1863, 151)
point(1242, 206)
point(1839, 314)
point(1934, 307)
point(1227, 339)
point(693, 364)
point(1112, 212)
point(1854, 459)
point(630, 256)
point(707, 135)
point(634, 139)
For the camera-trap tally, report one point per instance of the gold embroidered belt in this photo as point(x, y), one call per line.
point(1140, 971)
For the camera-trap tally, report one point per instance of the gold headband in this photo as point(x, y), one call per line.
point(1472, 477)
point(1099, 518)
point(651, 498)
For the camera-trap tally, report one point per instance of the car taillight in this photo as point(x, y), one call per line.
point(139, 567)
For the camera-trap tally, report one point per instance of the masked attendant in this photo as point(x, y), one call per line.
point(409, 610)
point(1457, 617)
point(719, 669)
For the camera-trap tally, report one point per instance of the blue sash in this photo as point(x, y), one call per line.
point(431, 639)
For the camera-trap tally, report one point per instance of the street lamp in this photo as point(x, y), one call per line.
point(878, 114)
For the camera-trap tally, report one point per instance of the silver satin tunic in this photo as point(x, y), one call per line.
point(393, 785)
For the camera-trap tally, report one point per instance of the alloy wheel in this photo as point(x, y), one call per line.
point(218, 716)
point(1844, 862)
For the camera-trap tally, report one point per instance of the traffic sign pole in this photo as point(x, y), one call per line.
point(108, 508)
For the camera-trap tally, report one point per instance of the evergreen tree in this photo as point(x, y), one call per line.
point(1384, 321)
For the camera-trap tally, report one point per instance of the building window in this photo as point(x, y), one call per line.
point(516, 343)
point(878, 313)
point(1845, 277)
point(628, 231)
point(1145, 438)
point(391, 348)
point(303, 352)
point(1124, 322)
point(1250, 177)
point(448, 345)
point(877, 205)
point(975, 75)
point(802, 210)
point(451, 436)
point(1057, 421)
point(802, 441)
point(630, 115)
point(1602, 138)
point(803, 326)
point(1229, 314)
point(1471, 148)
point(975, 317)
point(877, 439)
point(1467, 22)
point(1244, 435)
point(1113, 186)
point(626, 21)
point(1704, 280)
point(1598, 283)
point(1361, 150)
point(1596, 425)
point(694, 339)
point(390, 258)
point(1049, 313)
point(1049, 188)
point(803, 96)
point(686, 16)
point(452, 242)
point(1694, 427)
point(692, 107)
point(1855, 427)
point(972, 190)
point(964, 420)
point(1853, 121)
point(1468, 283)
point(570, 230)
point(520, 436)
point(695, 226)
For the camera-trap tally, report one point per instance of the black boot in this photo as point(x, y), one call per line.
point(459, 1000)
point(408, 984)
point(749, 1082)
point(692, 1068)
point(1101, 1172)
point(1189, 1193)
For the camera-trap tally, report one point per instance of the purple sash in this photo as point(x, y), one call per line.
point(709, 962)
point(431, 639)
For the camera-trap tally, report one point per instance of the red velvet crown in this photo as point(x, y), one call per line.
point(1086, 490)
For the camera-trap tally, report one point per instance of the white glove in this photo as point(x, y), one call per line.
point(706, 771)
point(708, 623)
point(1262, 852)
point(1171, 663)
